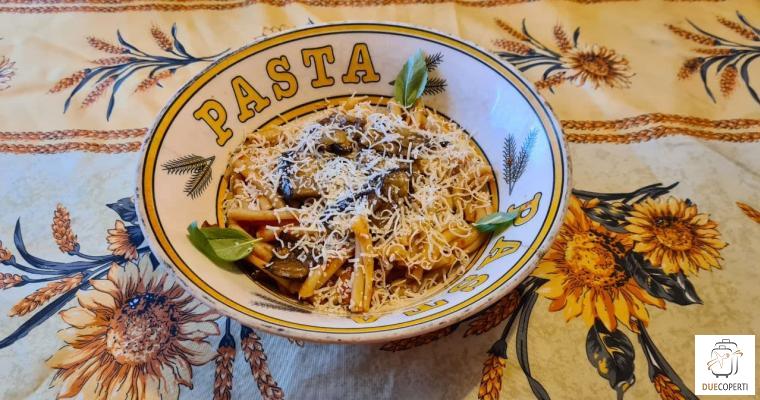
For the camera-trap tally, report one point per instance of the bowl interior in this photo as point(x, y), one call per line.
point(318, 66)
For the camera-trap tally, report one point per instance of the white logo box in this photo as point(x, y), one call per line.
point(724, 365)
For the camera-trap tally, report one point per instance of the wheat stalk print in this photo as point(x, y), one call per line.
point(253, 351)
point(124, 61)
point(62, 233)
point(225, 359)
point(199, 168)
point(730, 58)
point(514, 163)
point(62, 280)
point(44, 294)
point(749, 211)
point(567, 61)
point(493, 372)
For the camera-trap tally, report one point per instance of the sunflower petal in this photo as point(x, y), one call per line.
point(73, 383)
point(69, 357)
point(149, 388)
point(94, 300)
point(637, 229)
point(552, 289)
point(545, 270)
point(639, 221)
point(574, 307)
point(106, 286)
point(121, 385)
point(673, 206)
point(644, 246)
point(589, 310)
point(79, 317)
point(699, 219)
point(168, 387)
point(131, 277)
point(605, 311)
point(79, 337)
point(621, 310)
point(638, 310)
point(558, 303)
point(198, 330)
point(182, 370)
point(196, 352)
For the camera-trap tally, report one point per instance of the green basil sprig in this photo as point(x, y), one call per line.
point(497, 221)
point(223, 243)
point(411, 80)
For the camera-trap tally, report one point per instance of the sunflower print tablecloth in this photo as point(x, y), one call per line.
point(659, 103)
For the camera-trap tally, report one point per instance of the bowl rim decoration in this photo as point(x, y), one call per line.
point(160, 245)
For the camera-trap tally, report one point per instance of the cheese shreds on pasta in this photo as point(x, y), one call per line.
point(415, 176)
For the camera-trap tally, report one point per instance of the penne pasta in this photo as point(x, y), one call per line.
point(365, 261)
point(260, 216)
point(318, 277)
point(264, 203)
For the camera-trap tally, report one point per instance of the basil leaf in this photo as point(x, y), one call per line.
point(223, 243)
point(496, 221)
point(411, 80)
point(199, 241)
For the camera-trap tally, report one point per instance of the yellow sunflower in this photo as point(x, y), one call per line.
point(584, 276)
point(119, 242)
point(672, 234)
point(597, 64)
point(135, 335)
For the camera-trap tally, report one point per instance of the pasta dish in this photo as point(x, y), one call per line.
point(359, 207)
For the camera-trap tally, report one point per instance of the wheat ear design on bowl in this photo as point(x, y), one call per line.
point(514, 163)
point(435, 85)
point(199, 169)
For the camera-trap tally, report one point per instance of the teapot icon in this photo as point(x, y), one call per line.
point(724, 359)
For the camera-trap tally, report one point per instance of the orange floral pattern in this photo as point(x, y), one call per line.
point(673, 235)
point(584, 275)
point(135, 335)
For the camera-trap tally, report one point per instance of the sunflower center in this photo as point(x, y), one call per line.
point(141, 328)
point(592, 260)
point(673, 233)
point(594, 64)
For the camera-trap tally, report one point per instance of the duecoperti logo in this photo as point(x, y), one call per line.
point(725, 364)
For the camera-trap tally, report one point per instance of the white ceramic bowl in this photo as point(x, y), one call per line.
point(485, 96)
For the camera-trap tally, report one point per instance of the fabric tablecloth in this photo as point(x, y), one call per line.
point(661, 241)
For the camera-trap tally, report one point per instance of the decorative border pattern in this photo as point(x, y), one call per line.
point(64, 134)
point(658, 132)
point(659, 125)
point(114, 6)
point(86, 147)
point(654, 126)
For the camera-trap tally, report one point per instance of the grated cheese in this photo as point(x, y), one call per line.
point(445, 172)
